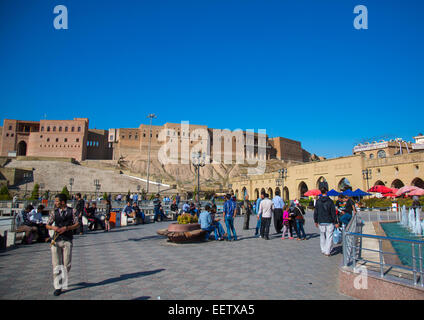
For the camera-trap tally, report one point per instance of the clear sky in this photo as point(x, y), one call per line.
point(297, 68)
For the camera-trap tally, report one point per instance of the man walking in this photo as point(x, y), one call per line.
point(229, 215)
point(65, 220)
point(259, 217)
point(266, 209)
point(247, 207)
point(325, 219)
point(278, 212)
point(79, 207)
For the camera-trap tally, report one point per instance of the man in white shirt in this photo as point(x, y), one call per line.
point(278, 212)
point(266, 208)
point(36, 219)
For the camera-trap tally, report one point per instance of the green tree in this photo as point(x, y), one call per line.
point(66, 191)
point(35, 194)
point(46, 194)
point(105, 196)
point(4, 193)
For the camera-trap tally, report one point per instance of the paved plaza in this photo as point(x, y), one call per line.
point(135, 263)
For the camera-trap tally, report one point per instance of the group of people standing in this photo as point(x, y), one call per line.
point(286, 217)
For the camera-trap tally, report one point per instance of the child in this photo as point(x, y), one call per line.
point(286, 222)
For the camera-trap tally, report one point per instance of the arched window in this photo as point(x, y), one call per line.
point(381, 154)
point(371, 155)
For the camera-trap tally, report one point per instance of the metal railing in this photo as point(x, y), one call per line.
point(353, 252)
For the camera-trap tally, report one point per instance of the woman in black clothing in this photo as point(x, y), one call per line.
point(108, 209)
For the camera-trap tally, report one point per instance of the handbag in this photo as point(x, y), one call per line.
point(337, 236)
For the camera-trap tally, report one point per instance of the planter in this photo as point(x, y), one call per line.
point(180, 233)
point(175, 227)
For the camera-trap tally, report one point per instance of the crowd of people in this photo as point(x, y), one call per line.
point(288, 220)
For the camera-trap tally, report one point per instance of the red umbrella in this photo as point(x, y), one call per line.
point(380, 189)
point(313, 192)
point(389, 195)
point(394, 190)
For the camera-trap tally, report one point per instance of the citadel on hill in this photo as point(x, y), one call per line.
point(74, 139)
point(394, 162)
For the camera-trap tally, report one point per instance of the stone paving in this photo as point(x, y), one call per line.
point(135, 263)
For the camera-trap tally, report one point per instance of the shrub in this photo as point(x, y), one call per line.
point(35, 194)
point(65, 191)
point(187, 218)
point(4, 193)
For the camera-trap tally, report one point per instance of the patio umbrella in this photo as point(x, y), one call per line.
point(390, 194)
point(348, 193)
point(406, 189)
point(394, 190)
point(333, 193)
point(416, 192)
point(313, 192)
point(380, 189)
point(359, 193)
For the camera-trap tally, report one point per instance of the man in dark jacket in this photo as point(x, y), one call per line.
point(247, 207)
point(325, 219)
point(79, 207)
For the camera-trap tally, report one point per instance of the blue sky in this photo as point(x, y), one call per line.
point(296, 68)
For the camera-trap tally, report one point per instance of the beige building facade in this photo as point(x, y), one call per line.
point(340, 173)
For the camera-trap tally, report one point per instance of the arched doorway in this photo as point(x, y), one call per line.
point(302, 189)
point(257, 193)
point(22, 148)
point(244, 192)
point(236, 193)
point(344, 185)
point(270, 193)
point(263, 190)
point(397, 184)
point(379, 183)
point(278, 191)
point(418, 182)
point(320, 179)
point(286, 194)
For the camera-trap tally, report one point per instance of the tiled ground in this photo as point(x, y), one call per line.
point(136, 263)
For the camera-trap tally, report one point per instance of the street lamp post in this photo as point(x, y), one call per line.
point(41, 190)
point(366, 174)
point(27, 177)
point(71, 182)
point(199, 160)
point(150, 116)
point(97, 185)
point(282, 174)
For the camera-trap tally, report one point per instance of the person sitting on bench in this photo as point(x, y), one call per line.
point(206, 223)
point(129, 210)
point(138, 214)
point(25, 225)
point(36, 219)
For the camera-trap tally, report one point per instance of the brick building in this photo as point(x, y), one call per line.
point(74, 139)
point(188, 138)
point(54, 138)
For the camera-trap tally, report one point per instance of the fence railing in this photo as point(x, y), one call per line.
point(354, 252)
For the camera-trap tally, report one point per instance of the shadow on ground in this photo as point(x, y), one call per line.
point(142, 298)
point(122, 277)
